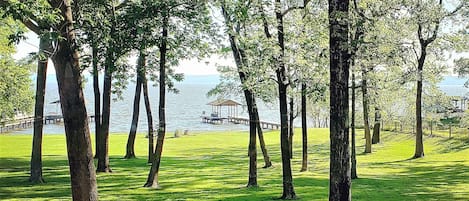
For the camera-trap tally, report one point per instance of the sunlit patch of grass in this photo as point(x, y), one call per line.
point(214, 166)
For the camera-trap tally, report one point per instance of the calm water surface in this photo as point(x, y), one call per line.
point(183, 110)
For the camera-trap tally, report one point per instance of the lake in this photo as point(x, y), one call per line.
point(183, 110)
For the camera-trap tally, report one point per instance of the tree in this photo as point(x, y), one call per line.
point(426, 18)
point(36, 153)
point(462, 68)
point(130, 149)
point(15, 92)
point(66, 62)
point(340, 181)
point(353, 173)
point(178, 21)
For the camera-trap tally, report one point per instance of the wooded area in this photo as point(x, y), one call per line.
point(346, 65)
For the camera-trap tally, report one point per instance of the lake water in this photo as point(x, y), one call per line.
point(184, 109)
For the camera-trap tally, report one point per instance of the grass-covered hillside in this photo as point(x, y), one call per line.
point(214, 166)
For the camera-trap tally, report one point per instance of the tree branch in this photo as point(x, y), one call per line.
point(264, 22)
point(32, 26)
point(305, 2)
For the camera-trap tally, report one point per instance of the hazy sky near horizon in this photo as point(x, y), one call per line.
point(207, 66)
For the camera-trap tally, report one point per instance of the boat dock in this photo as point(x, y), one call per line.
point(239, 120)
point(28, 122)
point(264, 124)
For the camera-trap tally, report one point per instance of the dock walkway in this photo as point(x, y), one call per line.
point(264, 124)
point(239, 120)
point(28, 122)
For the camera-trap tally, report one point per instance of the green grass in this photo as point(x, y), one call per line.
point(214, 166)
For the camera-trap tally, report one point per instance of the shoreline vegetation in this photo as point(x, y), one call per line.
point(193, 170)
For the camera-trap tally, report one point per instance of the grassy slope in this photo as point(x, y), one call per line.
point(213, 166)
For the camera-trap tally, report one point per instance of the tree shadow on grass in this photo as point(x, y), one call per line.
point(15, 185)
point(416, 183)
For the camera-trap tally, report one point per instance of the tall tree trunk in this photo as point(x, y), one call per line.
point(68, 71)
point(130, 150)
point(366, 123)
point(418, 105)
point(241, 62)
point(103, 157)
point(148, 111)
point(97, 98)
point(340, 178)
point(304, 129)
point(36, 154)
point(152, 180)
point(288, 191)
point(252, 181)
point(352, 125)
point(291, 129)
point(377, 126)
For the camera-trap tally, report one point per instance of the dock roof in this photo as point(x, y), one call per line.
point(224, 102)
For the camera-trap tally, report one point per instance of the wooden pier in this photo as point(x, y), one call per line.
point(213, 120)
point(28, 122)
point(264, 124)
point(239, 120)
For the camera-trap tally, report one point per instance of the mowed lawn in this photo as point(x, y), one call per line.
point(214, 166)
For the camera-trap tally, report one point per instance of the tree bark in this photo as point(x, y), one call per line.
point(252, 181)
point(304, 129)
point(291, 129)
point(97, 98)
point(377, 127)
point(149, 118)
point(265, 154)
point(352, 125)
point(130, 150)
point(103, 157)
point(418, 105)
point(340, 176)
point(366, 123)
point(152, 180)
point(80, 156)
point(36, 153)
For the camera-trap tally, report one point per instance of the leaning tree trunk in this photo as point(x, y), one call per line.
point(152, 180)
point(340, 181)
point(377, 127)
point(130, 150)
point(97, 98)
point(68, 71)
point(265, 154)
point(304, 129)
point(366, 123)
point(252, 181)
point(291, 129)
point(250, 101)
point(148, 111)
point(352, 125)
point(36, 153)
